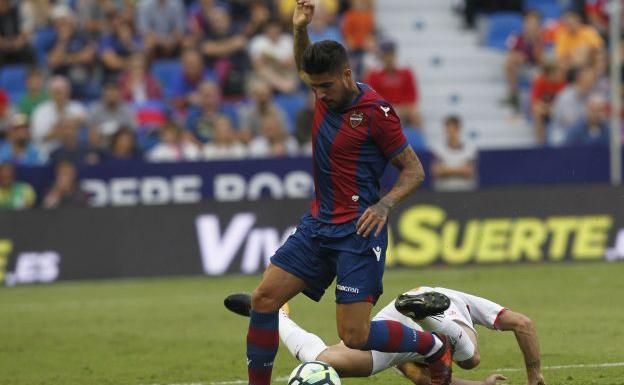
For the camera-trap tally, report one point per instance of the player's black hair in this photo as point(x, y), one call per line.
point(326, 56)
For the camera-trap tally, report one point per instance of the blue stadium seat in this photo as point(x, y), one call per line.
point(44, 37)
point(165, 71)
point(501, 25)
point(13, 80)
point(291, 104)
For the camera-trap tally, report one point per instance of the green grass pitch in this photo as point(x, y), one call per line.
point(176, 331)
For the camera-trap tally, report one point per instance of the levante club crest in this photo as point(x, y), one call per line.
point(356, 118)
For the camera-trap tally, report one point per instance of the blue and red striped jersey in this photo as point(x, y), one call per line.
point(351, 149)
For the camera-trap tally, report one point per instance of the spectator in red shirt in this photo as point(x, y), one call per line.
point(358, 24)
point(546, 85)
point(396, 84)
point(524, 49)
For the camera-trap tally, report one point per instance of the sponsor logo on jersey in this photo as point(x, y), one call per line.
point(385, 110)
point(356, 118)
point(355, 198)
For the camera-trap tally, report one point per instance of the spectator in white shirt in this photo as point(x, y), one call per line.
point(174, 146)
point(224, 144)
point(45, 119)
point(454, 165)
point(274, 140)
point(272, 58)
point(570, 105)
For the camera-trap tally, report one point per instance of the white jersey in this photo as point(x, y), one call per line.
point(465, 308)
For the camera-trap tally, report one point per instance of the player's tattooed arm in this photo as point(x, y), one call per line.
point(301, 18)
point(410, 176)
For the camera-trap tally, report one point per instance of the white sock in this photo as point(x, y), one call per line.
point(303, 345)
point(437, 344)
point(464, 348)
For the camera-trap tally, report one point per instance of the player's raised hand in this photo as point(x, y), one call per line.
point(493, 379)
point(303, 13)
point(374, 218)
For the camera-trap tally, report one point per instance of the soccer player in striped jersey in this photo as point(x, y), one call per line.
point(355, 133)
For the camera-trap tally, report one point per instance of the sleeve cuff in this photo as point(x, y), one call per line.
point(398, 150)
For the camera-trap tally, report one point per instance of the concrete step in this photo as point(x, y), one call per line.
point(454, 74)
point(410, 22)
point(459, 93)
point(402, 6)
point(479, 108)
point(459, 73)
point(419, 39)
point(490, 134)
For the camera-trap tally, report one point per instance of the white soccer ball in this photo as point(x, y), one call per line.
point(314, 373)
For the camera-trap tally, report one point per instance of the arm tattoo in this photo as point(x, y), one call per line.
point(404, 158)
point(411, 175)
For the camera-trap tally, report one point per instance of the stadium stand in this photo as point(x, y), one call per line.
point(458, 66)
point(457, 75)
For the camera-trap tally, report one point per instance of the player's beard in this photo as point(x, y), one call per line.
point(346, 98)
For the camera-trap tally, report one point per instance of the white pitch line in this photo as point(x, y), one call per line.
point(230, 382)
point(233, 382)
point(554, 367)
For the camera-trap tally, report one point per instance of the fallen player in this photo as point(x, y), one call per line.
point(437, 310)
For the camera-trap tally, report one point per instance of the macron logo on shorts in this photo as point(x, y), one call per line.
point(377, 251)
point(348, 289)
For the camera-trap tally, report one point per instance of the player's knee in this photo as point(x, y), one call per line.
point(470, 363)
point(263, 301)
point(354, 337)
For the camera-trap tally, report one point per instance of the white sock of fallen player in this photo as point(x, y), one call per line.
point(302, 345)
point(464, 348)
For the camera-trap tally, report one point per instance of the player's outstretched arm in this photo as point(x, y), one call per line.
point(301, 18)
point(411, 174)
point(524, 329)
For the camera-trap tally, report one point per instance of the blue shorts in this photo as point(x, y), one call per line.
point(315, 255)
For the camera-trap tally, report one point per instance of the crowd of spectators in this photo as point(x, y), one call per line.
point(112, 81)
point(562, 67)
